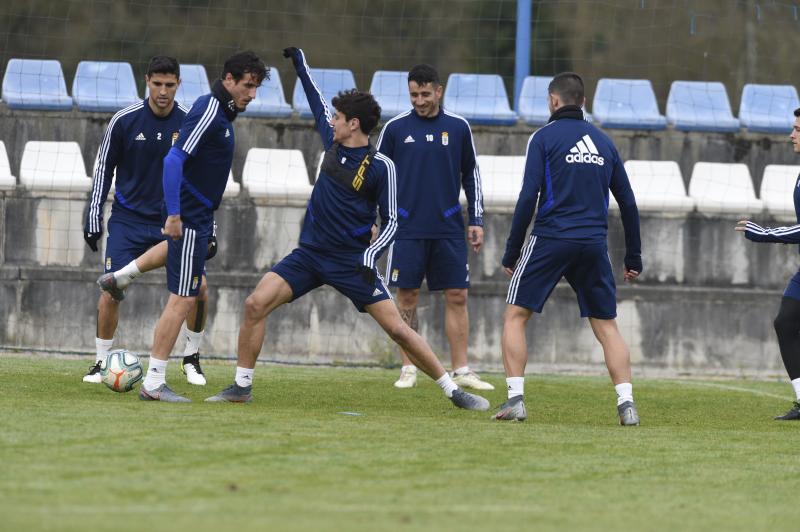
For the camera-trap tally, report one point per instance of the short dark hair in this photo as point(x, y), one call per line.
point(797, 112)
point(164, 64)
point(242, 63)
point(568, 86)
point(423, 74)
point(362, 105)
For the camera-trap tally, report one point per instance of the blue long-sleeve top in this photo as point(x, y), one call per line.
point(570, 165)
point(340, 218)
point(783, 235)
point(435, 158)
point(196, 168)
point(134, 145)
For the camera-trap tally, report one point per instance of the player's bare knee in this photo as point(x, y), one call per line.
point(255, 307)
point(407, 298)
point(456, 297)
point(106, 300)
point(515, 315)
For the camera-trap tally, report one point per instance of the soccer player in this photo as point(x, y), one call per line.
point(435, 156)
point(570, 165)
point(195, 174)
point(787, 322)
point(334, 248)
point(135, 143)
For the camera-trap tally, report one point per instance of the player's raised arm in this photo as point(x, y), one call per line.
point(387, 205)
point(108, 157)
point(319, 107)
point(526, 204)
point(621, 189)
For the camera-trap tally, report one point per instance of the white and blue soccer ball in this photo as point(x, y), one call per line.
point(121, 370)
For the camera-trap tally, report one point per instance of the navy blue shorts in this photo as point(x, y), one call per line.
point(793, 288)
point(127, 240)
point(186, 259)
point(441, 262)
point(586, 267)
point(306, 269)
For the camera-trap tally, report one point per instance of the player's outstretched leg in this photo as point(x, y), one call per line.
point(270, 293)
point(388, 317)
point(515, 358)
point(618, 362)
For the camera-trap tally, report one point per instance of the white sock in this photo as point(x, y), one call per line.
point(796, 386)
point(193, 341)
point(516, 386)
point(446, 383)
point(624, 392)
point(463, 370)
point(244, 376)
point(102, 347)
point(156, 373)
point(411, 368)
point(127, 274)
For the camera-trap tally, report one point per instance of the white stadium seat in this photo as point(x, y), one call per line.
point(277, 174)
point(232, 188)
point(53, 166)
point(777, 190)
point(658, 186)
point(501, 176)
point(723, 188)
point(7, 180)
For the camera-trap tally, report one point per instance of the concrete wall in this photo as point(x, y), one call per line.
point(705, 301)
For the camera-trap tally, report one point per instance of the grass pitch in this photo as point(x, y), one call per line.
point(75, 456)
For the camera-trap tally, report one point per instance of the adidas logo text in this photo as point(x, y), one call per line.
point(585, 151)
point(140, 136)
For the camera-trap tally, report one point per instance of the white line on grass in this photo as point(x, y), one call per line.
point(729, 387)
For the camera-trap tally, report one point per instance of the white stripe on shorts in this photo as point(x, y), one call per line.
point(187, 254)
point(389, 261)
point(527, 251)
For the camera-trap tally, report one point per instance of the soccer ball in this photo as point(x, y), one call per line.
point(121, 370)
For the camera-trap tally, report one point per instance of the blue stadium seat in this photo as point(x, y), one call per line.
point(270, 101)
point(194, 83)
point(533, 100)
point(391, 91)
point(480, 98)
point(768, 108)
point(35, 84)
point(104, 86)
point(700, 106)
point(330, 81)
point(627, 103)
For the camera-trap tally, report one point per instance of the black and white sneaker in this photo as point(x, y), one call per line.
point(93, 375)
point(791, 415)
point(191, 368)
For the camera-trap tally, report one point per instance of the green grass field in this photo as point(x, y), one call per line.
point(79, 457)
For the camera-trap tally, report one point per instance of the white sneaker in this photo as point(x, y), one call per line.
point(408, 378)
point(191, 367)
point(471, 379)
point(93, 375)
